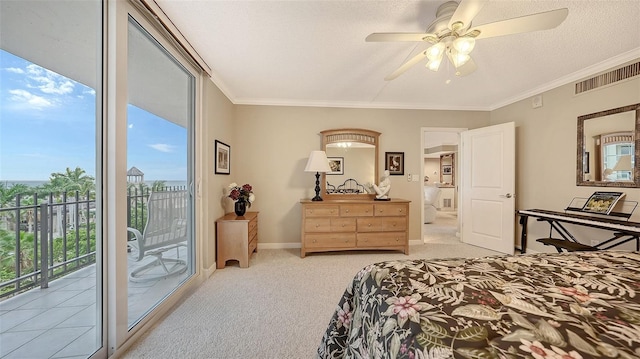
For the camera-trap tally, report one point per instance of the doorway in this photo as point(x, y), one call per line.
point(439, 164)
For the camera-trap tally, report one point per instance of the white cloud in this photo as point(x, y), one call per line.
point(162, 147)
point(15, 70)
point(26, 97)
point(130, 125)
point(48, 81)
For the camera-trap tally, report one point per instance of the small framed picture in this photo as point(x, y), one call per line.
point(222, 158)
point(337, 165)
point(394, 163)
point(446, 169)
point(585, 165)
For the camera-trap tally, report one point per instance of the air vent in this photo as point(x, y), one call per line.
point(608, 78)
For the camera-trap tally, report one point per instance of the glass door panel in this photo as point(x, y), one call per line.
point(159, 117)
point(50, 237)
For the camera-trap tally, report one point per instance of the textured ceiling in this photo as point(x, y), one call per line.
point(313, 53)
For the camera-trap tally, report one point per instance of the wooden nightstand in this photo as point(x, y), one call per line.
point(236, 238)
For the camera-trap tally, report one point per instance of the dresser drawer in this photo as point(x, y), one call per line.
point(253, 225)
point(390, 209)
point(330, 225)
point(383, 239)
point(382, 224)
point(343, 224)
point(253, 244)
point(322, 210)
point(393, 224)
point(317, 225)
point(356, 210)
point(330, 240)
point(369, 224)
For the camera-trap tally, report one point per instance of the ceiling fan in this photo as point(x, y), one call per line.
point(451, 34)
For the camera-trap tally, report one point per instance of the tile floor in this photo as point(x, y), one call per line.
point(60, 321)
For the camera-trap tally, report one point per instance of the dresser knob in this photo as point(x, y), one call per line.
point(314, 241)
point(369, 224)
point(343, 225)
point(317, 225)
point(347, 211)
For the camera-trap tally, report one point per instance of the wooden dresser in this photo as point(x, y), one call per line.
point(338, 225)
point(236, 238)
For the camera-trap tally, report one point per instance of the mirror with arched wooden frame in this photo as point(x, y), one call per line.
point(608, 150)
point(357, 152)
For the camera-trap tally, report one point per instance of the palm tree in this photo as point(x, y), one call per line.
point(71, 180)
point(8, 194)
point(158, 185)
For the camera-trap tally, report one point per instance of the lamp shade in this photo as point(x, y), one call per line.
point(624, 163)
point(317, 162)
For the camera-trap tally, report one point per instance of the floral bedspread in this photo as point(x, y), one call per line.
point(562, 305)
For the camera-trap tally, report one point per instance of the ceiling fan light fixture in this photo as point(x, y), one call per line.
point(464, 44)
point(434, 64)
point(457, 59)
point(436, 52)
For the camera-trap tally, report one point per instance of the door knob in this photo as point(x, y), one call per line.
point(508, 195)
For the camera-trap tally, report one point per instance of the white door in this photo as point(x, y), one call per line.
point(488, 184)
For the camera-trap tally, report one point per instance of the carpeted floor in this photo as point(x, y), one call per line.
point(443, 229)
point(279, 307)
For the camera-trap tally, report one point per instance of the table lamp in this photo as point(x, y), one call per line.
point(317, 163)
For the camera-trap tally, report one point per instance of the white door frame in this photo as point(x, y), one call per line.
point(423, 145)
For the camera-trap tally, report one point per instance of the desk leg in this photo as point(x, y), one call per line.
point(523, 237)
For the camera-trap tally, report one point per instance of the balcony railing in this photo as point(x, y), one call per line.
point(56, 233)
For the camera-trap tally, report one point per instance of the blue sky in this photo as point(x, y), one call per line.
point(47, 123)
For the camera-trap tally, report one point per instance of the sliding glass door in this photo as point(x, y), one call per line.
point(51, 252)
point(160, 115)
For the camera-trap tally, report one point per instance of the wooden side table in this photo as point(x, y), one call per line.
point(236, 238)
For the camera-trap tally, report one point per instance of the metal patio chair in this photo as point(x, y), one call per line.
point(166, 229)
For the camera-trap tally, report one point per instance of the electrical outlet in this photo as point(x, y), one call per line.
point(409, 178)
point(415, 178)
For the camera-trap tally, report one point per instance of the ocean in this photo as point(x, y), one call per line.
point(30, 183)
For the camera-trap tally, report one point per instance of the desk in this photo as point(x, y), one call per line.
point(623, 231)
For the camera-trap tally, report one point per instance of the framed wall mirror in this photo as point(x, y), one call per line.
point(358, 151)
point(609, 148)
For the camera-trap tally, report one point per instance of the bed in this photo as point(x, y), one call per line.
point(561, 305)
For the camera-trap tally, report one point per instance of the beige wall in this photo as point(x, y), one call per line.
point(546, 143)
point(217, 123)
point(270, 146)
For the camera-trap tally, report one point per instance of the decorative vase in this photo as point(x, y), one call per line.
point(240, 207)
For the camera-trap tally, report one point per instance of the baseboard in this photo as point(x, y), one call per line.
point(207, 272)
point(299, 245)
point(278, 245)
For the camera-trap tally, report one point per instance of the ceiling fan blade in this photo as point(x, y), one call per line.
point(398, 36)
point(406, 66)
point(540, 21)
point(466, 11)
point(467, 68)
